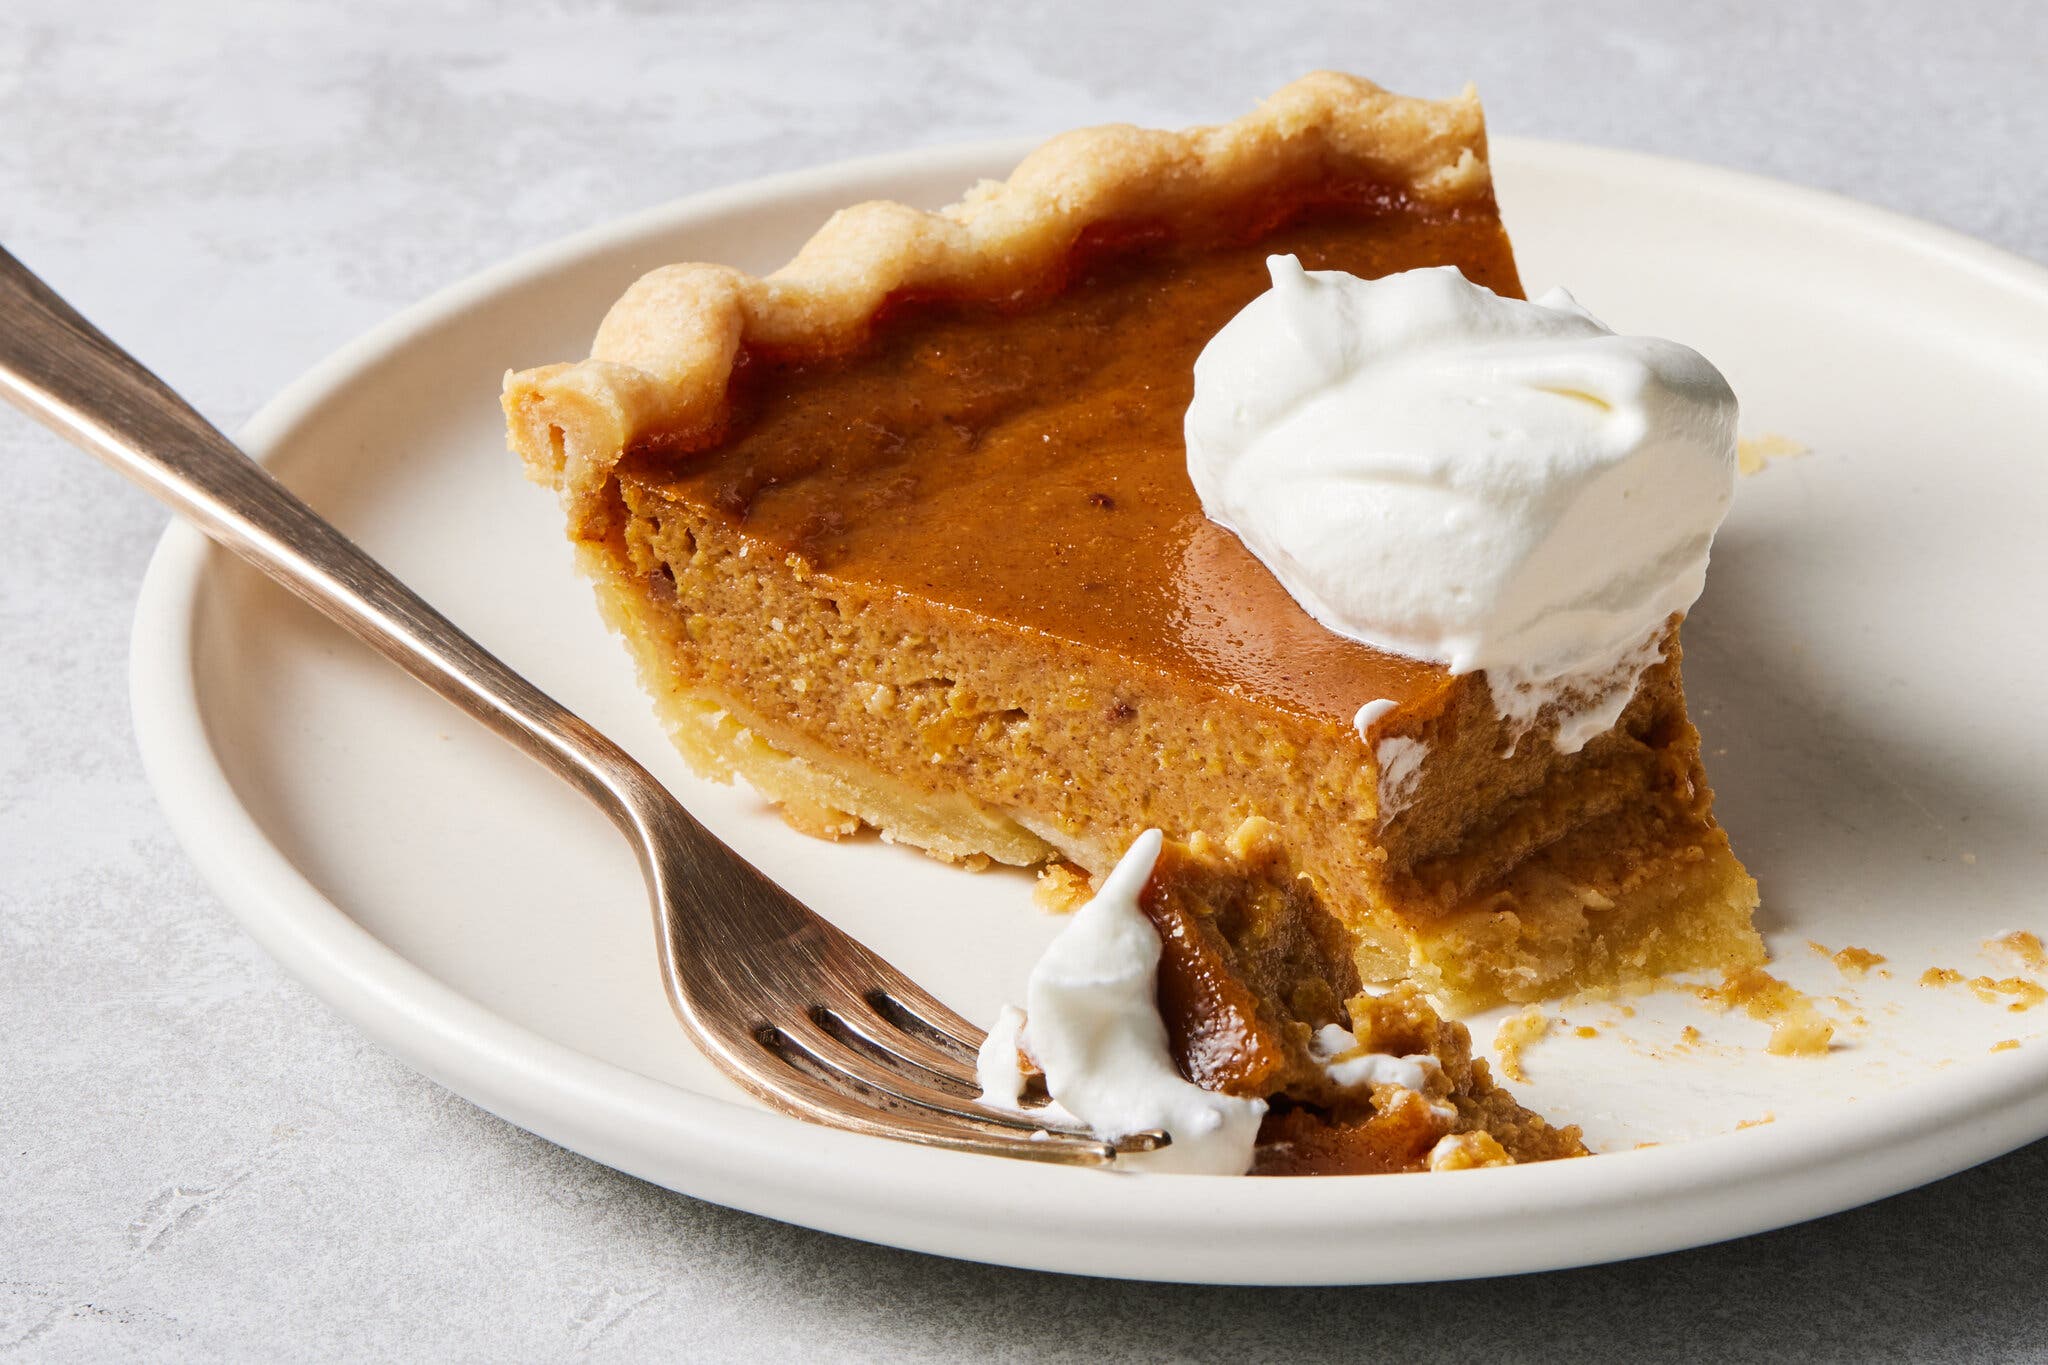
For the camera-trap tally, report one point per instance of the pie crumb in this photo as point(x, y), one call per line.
point(1752, 453)
point(1801, 1033)
point(1768, 1117)
point(1467, 1151)
point(1850, 961)
point(1797, 1028)
point(1061, 890)
point(2024, 946)
point(1516, 1032)
point(818, 820)
point(2017, 993)
point(1255, 840)
point(2005, 1045)
point(1586, 1031)
point(2026, 993)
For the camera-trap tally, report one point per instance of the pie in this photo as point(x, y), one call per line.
point(903, 535)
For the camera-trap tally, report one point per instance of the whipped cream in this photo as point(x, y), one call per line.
point(1349, 1066)
point(1091, 1023)
point(1398, 757)
point(1493, 485)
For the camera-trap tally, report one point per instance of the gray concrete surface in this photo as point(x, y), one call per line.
point(198, 1162)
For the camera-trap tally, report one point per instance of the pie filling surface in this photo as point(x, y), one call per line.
point(929, 560)
point(1023, 460)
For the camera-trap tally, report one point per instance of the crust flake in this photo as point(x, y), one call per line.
point(664, 355)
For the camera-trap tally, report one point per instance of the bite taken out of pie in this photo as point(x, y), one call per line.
point(904, 535)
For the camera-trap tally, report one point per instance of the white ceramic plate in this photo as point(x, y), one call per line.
point(1862, 665)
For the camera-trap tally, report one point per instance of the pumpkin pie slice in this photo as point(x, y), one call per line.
point(903, 535)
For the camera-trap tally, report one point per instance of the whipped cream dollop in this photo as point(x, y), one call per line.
point(1091, 1023)
point(1490, 484)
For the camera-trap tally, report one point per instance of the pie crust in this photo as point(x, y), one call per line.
point(665, 352)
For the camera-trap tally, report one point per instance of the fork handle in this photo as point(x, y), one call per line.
point(64, 372)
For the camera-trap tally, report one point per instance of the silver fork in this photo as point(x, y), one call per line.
point(797, 1012)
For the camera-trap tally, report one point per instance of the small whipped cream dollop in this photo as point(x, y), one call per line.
point(1350, 1066)
point(1091, 1023)
point(1490, 484)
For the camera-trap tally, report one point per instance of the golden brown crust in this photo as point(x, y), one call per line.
point(664, 355)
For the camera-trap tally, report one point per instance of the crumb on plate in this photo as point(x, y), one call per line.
point(1516, 1032)
point(1467, 1151)
point(1752, 453)
point(1797, 1028)
point(2023, 946)
point(2025, 993)
point(1062, 889)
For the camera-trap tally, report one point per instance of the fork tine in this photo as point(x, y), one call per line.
point(911, 1010)
point(796, 1090)
point(838, 1092)
point(905, 1074)
point(904, 1051)
point(861, 1038)
point(848, 1065)
point(820, 1047)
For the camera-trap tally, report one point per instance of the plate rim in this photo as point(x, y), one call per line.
point(1021, 1214)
